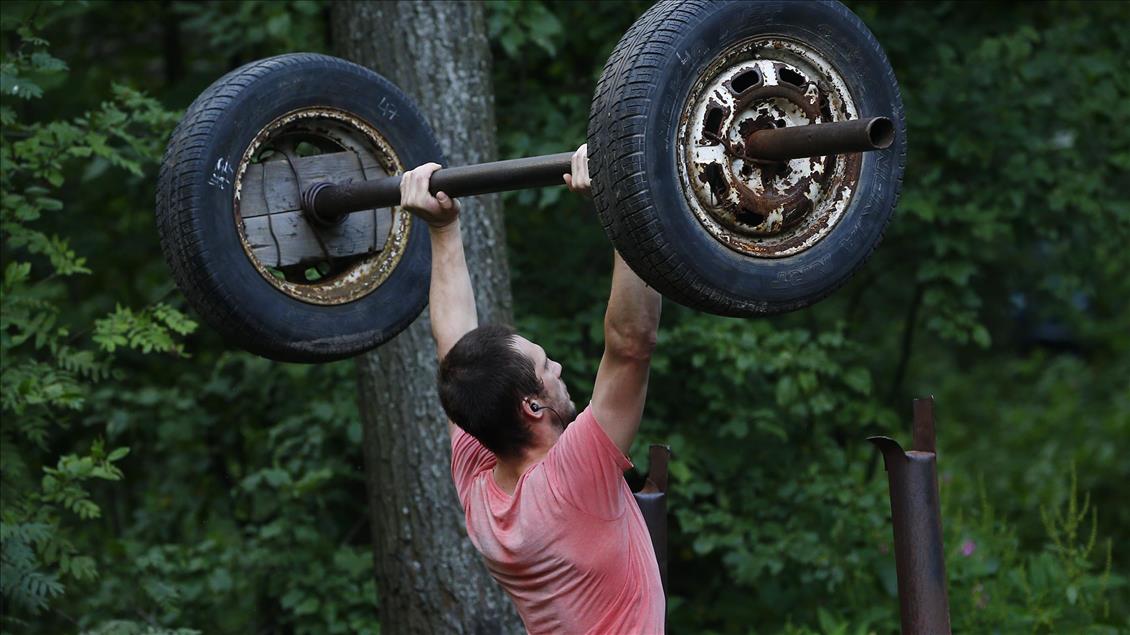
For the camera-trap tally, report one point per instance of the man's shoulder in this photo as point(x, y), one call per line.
point(469, 458)
point(585, 433)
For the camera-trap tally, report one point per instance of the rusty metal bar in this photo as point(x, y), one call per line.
point(917, 520)
point(327, 202)
point(924, 426)
point(652, 499)
point(815, 140)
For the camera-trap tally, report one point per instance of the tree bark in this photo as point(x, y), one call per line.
point(429, 577)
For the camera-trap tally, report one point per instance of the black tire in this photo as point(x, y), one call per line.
point(196, 220)
point(632, 155)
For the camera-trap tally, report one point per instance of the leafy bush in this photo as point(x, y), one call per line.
point(995, 586)
point(52, 361)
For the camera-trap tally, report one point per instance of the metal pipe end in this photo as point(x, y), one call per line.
point(890, 449)
point(925, 438)
point(308, 199)
point(881, 132)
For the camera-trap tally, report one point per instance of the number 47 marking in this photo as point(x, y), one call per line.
point(387, 109)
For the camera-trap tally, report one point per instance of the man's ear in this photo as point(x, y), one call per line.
point(532, 409)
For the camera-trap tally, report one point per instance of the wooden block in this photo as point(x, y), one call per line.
point(279, 193)
point(272, 216)
point(289, 234)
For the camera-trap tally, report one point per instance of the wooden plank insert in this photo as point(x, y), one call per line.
point(272, 216)
point(281, 191)
point(295, 238)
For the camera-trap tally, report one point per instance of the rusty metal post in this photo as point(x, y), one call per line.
point(917, 520)
point(652, 499)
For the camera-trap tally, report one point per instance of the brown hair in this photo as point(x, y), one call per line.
point(482, 382)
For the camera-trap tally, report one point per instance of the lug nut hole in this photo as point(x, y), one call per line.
point(745, 80)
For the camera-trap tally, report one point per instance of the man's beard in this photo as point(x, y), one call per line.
point(568, 413)
point(565, 411)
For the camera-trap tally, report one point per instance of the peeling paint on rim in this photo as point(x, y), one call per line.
point(761, 208)
point(350, 132)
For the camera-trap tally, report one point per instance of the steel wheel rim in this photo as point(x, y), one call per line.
point(764, 209)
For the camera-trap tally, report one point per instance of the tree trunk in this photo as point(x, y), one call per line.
point(429, 577)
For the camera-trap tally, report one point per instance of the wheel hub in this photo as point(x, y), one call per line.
point(757, 207)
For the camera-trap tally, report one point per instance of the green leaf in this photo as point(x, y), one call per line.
point(786, 390)
point(981, 336)
point(20, 87)
point(512, 41)
point(276, 477)
point(859, 380)
point(278, 25)
point(308, 606)
point(220, 581)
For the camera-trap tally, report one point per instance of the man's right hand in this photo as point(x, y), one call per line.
point(437, 211)
point(578, 178)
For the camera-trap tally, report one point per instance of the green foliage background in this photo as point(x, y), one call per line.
point(154, 481)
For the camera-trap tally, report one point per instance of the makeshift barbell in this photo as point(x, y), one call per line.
point(326, 203)
point(727, 171)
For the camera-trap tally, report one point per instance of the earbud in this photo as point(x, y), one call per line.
point(536, 407)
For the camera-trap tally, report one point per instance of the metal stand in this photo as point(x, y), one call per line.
point(652, 500)
point(917, 519)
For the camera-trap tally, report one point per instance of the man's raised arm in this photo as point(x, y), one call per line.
point(631, 324)
point(451, 302)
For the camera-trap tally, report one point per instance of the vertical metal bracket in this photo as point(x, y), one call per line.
point(917, 520)
point(652, 499)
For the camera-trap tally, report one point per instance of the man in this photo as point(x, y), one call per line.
point(542, 488)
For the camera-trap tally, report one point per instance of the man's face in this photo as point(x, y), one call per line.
point(556, 395)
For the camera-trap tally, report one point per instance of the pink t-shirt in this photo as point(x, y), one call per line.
point(570, 545)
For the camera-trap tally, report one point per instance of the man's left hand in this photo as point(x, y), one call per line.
point(439, 210)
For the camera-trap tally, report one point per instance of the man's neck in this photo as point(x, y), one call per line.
point(508, 471)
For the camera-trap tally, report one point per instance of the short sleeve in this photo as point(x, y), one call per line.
point(468, 459)
point(587, 469)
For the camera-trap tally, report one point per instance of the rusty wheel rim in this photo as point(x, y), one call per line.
point(330, 280)
point(761, 208)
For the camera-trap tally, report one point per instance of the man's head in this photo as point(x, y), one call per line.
point(497, 385)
